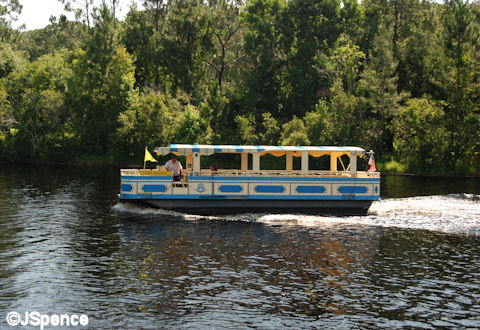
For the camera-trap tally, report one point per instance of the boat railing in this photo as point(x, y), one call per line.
point(251, 173)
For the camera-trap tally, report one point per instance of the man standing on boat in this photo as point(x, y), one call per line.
point(175, 167)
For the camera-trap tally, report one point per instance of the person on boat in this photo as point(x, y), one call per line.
point(174, 166)
point(213, 170)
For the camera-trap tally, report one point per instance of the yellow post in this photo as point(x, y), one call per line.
point(189, 165)
point(333, 162)
point(289, 166)
point(244, 161)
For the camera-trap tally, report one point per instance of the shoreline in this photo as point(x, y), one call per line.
point(125, 165)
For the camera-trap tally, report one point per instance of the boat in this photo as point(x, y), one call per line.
point(339, 189)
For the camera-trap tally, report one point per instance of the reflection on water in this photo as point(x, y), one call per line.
point(412, 262)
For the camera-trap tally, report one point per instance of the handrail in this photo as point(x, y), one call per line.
point(251, 173)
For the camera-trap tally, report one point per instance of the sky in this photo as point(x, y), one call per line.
point(36, 13)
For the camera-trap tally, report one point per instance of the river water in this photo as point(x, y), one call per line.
point(66, 246)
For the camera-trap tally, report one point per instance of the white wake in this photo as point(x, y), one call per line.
point(457, 213)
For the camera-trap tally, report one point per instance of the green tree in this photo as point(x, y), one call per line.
point(83, 9)
point(418, 52)
point(246, 129)
point(35, 107)
point(8, 60)
point(458, 75)
point(294, 133)
point(262, 76)
point(191, 127)
point(227, 29)
point(139, 37)
point(270, 132)
point(378, 86)
point(342, 66)
point(420, 136)
point(185, 44)
point(9, 11)
point(150, 120)
point(98, 89)
point(59, 34)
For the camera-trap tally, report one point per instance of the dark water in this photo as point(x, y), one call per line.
point(66, 247)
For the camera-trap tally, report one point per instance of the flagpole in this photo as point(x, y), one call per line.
point(144, 161)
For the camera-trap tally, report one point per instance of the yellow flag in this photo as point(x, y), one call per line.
point(148, 156)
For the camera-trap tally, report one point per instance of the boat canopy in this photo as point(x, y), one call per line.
point(193, 152)
point(296, 151)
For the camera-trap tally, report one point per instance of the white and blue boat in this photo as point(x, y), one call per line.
point(338, 190)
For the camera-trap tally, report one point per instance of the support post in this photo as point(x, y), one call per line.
point(304, 162)
point(196, 162)
point(289, 165)
point(353, 163)
point(256, 162)
point(189, 164)
point(333, 162)
point(244, 161)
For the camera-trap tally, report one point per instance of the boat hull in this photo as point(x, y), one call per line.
point(232, 206)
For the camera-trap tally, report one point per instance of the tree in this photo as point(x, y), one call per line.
point(8, 60)
point(139, 39)
point(82, 9)
point(418, 52)
point(98, 89)
point(59, 34)
point(342, 67)
point(420, 137)
point(262, 75)
point(294, 133)
point(191, 127)
point(270, 132)
point(457, 75)
point(308, 27)
point(246, 129)
point(158, 8)
point(35, 106)
point(9, 9)
point(228, 30)
point(186, 40)
point(150, 119)
point(378, 86)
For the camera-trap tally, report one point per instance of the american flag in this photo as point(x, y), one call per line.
point(371, 162)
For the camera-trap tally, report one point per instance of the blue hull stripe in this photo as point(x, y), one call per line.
point(243, 197)
point(310, 189)
point(230, 189)
point(154, 188)
point(127, 187)
point(270, 189)
point(352, 189)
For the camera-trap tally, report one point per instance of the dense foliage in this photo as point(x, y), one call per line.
point(401, 77)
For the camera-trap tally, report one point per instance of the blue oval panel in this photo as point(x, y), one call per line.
point(127, 187)
point(154, 188)
point(352, 189)
point(310, 189)
point(270, 189)
point(230, 189)
point(376, 190)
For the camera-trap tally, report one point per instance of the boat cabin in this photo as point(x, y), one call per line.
point(193, 153)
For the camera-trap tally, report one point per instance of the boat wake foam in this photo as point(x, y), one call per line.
point(455, 213)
